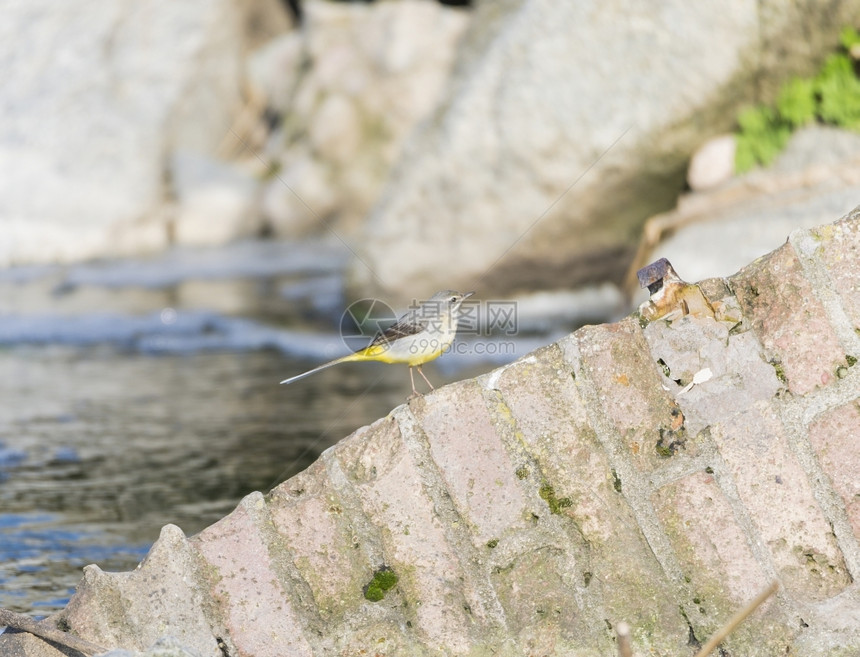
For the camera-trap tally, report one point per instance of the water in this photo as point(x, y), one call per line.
point(145, 392)
point(99, 448)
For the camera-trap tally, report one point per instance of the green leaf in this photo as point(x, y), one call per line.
point(849, 37)
point(839, 90)
point(796, 101)
point(744, 155)
point(756, 120)
point(835, 65)
point(763, 135)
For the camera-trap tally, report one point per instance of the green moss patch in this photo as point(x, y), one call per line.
point(555, 503)
point(616, 481)
point(780, 371)
point(383, 580)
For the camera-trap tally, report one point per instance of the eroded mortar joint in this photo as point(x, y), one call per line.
point(640, 501)
point(823, 289)
point(364, 531)
point(831, 503)
point(456, 529)
point(295, 588)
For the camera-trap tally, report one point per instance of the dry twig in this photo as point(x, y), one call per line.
point(622, 631)
point(736, 620)
point(52, 634)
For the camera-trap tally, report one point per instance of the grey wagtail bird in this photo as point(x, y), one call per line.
point(419, 336)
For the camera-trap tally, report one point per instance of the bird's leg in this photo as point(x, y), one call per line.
point(415, 393)
point(425, 378)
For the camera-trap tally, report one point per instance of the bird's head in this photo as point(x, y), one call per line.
point(450, 298)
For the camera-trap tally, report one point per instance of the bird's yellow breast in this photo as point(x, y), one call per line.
point(415, 353)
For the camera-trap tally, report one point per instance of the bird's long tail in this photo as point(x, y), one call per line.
point(344, 359)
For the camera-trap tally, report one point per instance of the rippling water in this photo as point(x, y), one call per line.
point(101, 448)
point(140, 393)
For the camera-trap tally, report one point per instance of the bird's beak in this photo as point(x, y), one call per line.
point(466, 295)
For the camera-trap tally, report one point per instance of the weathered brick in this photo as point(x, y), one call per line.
point(840, 253)
point(835, 437)
point(309, 516)
point(789, 320)
point(779, 499)
point(541, 609)
point(710, 545)
point(391, 491)
point(718, 561)
point(648, 421)
point(551, 419)
point(473, 460)
point(242, 580)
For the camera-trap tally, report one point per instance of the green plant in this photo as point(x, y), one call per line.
point(762, 136)
point(832, 96)
point(849, 37)
point(839, 92)
point(796, 102)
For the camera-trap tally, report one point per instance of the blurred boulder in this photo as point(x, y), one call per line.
point(367, 74)
point(713, 163)
point(96, 97)
point(566, 125)
point(216, 202)
point(274, 69)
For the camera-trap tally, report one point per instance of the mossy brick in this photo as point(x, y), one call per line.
point(308, 514)
point(390, 488)
point(789, 320)
point(618, 362)
point(715, 555)
point(473, 460)
point(778, 497)
point(839, 252)
point(553, 424)
point(256, 608)
point(835, 437)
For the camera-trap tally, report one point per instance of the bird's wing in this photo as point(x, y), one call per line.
point(409, 324)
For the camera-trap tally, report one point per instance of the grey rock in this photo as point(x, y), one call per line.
point(369, 74)
point(564, 127)
point(96, 96)
point(274, 69)
point(216, 202)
